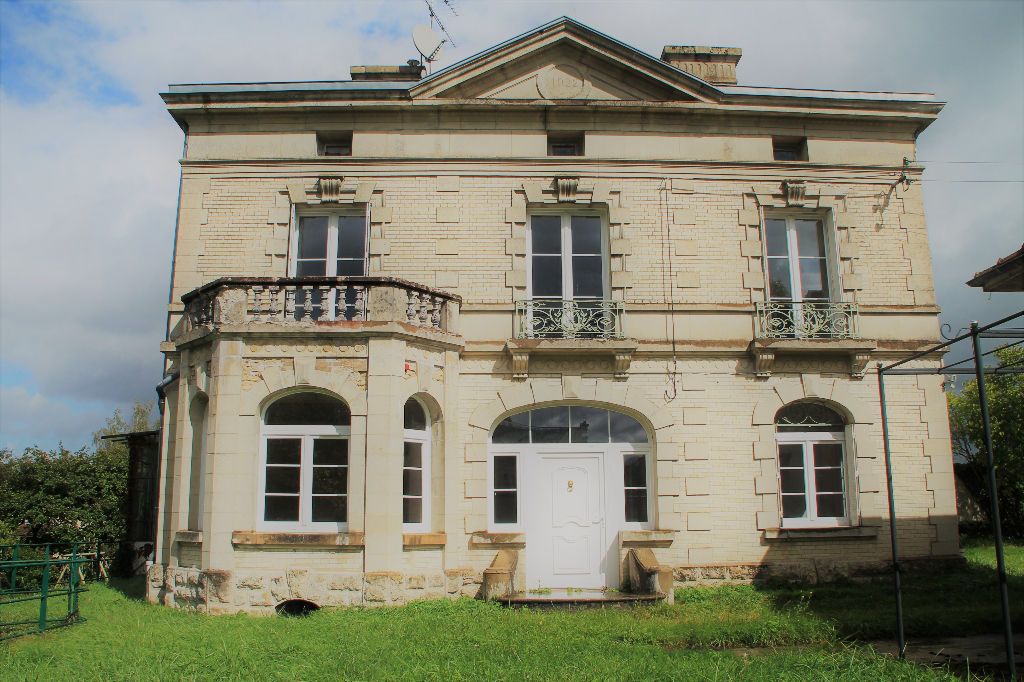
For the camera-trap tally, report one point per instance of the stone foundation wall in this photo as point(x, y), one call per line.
point(217, 591)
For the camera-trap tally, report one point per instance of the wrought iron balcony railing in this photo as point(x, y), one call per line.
point(546, 318)
point(807, 320)
point(318, 301)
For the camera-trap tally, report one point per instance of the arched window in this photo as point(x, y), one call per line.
point(812, 465)
point(197, 465)
point(521, 438)
point(304, 472)
point(416, 468)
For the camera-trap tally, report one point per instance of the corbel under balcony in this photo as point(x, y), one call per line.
point(521, 350)
point(858, 351)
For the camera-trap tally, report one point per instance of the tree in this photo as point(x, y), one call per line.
point(1006, 419)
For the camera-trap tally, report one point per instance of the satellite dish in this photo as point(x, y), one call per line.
point(427, 42)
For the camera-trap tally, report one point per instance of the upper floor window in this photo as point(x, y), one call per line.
point(329, 244)
point(304, 470)
point(415, 468)
point(798, 263)
point(565, 144)
point(567, 256)
point(812, 467)
point(789, 148)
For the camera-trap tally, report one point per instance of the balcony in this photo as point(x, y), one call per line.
point(815, 328)
point(545, 318)
point(330, 303)
point(817, 320)
point(569, 327)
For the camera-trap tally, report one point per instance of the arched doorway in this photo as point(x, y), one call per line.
point(570, 477)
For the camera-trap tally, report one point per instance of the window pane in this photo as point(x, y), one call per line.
point(589, 425)
point(505, 507)
point(330, 509)
point(828, 480)
point(791, 455)
point(351, 268)
point(311, 268)
point(586, 234)
point(546, 232)
point(414, 418)
point(635, 471)
point(330, 480)
point(587, 277)
point(831, 506)
point(810, 239)
point(636, 506)
point(330, 451)
point(792, 480)
point(412, 482)
point(547, 276)
point(828, 454)
point(283, 480)
point(283, 450)
point(313, 237)
point(412, 510)
point(778, 279)
point(308, 408)
point(505, 472)
point(281, 508)
point(514, 429)
point(813, 278)
point(413, 456)
point(793, 506)
point(550, 425)
point(775, 230)
point(351, 236)
point(625, 429)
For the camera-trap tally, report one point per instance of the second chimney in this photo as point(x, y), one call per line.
point(712, 64)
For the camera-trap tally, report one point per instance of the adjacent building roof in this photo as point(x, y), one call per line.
point(1006, 275)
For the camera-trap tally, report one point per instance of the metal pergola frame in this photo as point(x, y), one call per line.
point(979, 370)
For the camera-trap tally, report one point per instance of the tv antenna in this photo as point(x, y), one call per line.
point(427, 41)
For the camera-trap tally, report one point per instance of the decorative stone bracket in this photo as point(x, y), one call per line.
point(521, 349)
point(765, 350)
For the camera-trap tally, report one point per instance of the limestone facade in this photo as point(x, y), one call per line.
point(448, 172)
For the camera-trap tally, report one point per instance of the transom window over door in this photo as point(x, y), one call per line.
point(304, 472)
point(330, 245)
point(812, 466)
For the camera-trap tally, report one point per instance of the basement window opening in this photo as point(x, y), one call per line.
point(296, 607)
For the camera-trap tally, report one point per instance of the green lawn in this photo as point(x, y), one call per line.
point(711, 634)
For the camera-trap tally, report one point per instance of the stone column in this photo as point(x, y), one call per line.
point(383, 495)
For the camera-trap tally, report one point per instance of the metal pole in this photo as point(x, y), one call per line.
point(44, 594)
point(997, 527)
point(901, 641)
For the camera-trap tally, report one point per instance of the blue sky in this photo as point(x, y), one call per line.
point(88, 156)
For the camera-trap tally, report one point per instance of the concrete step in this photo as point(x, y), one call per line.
point(578, 598)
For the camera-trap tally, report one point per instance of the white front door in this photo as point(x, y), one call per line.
point(566, 526)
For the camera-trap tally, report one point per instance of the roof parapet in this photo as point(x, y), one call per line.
point(712, 64)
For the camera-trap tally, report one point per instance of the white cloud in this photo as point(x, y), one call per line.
point(88, 173)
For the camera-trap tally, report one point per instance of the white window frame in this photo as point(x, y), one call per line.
point(566, 240)
point(831, 254)
point(423, 438)
point(332, 237)
point(807, 439)
point(307, 434)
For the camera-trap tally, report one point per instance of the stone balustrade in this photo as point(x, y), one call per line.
point(318, 301)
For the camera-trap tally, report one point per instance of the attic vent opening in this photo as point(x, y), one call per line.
point(296, 607)
point(334, 143)
point(565, 144)
point(789, 148)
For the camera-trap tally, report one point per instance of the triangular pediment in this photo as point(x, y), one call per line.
point(564, 61)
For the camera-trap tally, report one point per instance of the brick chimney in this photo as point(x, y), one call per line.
point(713, 64)
point(411, 71)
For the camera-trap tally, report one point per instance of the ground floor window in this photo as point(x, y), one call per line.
point(304, 473)
point(812, 466)
point(416, 468)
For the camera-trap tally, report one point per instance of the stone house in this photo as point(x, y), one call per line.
point(560, 315)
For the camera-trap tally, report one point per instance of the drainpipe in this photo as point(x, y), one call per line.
point(160, 388)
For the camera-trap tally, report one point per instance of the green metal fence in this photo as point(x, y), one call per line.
point(40, 585)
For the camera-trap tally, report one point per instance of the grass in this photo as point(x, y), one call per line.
point(728, 633)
